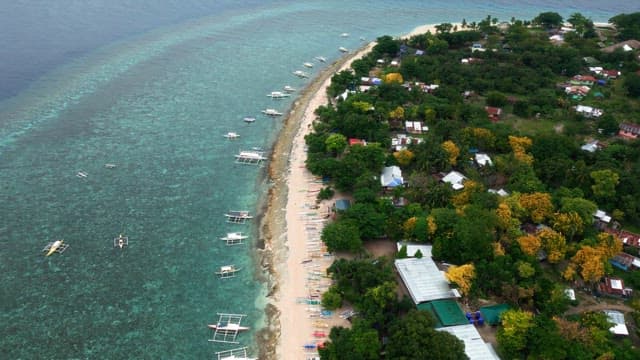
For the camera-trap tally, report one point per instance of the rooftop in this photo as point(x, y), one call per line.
point(474, 346)
point(423, 279)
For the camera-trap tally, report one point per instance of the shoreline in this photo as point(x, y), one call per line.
point(285, 333)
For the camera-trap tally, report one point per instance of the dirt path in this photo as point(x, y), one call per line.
point(598, 307)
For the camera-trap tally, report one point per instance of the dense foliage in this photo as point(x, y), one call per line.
point(522, 246)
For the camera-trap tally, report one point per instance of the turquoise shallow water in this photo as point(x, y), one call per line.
point(155, 98)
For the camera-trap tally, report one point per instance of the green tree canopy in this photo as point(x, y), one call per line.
point(413, 337)
point(342, 236)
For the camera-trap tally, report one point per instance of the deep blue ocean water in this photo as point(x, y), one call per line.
point(152, 86)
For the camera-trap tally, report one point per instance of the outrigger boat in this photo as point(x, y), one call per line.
point(121, 241)
point(321, 58)
point(56, 246)
point(110, 166)
point(289, 89)
point(301, 74)
point(234, 238)
point(278, 95)
point(227, 328)
point(238, 216)
point(308, 65)
point(250, 157)
point(271, 112)
point(82, 174)
point(343, 49)
point(231, 135)
point(227, 271)
point(234, 354)
point(249, 119)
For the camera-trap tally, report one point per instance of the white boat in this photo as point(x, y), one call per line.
point(231, 135)
point(344, 35)
point(308, 65)
point(278, 95)
point(227, 271)
point(121, 241)
point(228, 327)
point(234, 354)
point(300, 74)
point(321, 58)
point(58, 246)
point(110, 166)
point(238, 216)
point(249, 119)
point(271, 112)
point(250, 157)
point(289, 89)
point(234, 238)
point(343, 49)
point(82, 174)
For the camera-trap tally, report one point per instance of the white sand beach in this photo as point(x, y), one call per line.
point(299, 264)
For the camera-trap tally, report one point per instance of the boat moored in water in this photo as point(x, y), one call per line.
point(289, 89)
point(300, 74)
point(343, 49)
point(231, 135)
point(308, 65)
point(58, 246)
point(121, 241)
point(271, 112)
point(321, 58)
point(278, 95)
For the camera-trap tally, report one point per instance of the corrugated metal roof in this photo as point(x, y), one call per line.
point(423, 279)
point(474, 346)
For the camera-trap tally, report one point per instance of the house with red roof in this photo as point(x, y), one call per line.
point(629, 131)
point(494, 113)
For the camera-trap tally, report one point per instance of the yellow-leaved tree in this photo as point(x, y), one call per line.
point(530, 244)
point(409, 226)
point(462, 276)
point(393, 77)
point(397, 113)
point(569, 224)
point(520, 145)
point(554, 244)
point(404, 157)
point(589, 263)
point(538, 206)
point(463, 197)
point(452, 151)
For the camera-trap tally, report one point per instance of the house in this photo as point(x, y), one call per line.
point(402, 141)
point(625, 261)
point(581, 90)
point(483, 159)
point(474, 346)
point(394, 63)
point(494, 113)
point(591, 146)
point(588, 111)
point(629, 130)
point(391, 177)
point(583, 80)
point(570, 294)
point(499, 192)
point(617, 319)
point(628, 238)
point(419, 52)
point(354, 141)
point(611, 74)
point(614, 286)
point(415, 127)
point(601, 219)
point(628, 45)
point(422, 278)
point(477, 47)
point(456, 180)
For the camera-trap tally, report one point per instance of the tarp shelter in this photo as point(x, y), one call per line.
point(342, 204)
point(492, 313)
point(445, 312)
point(391, 177)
